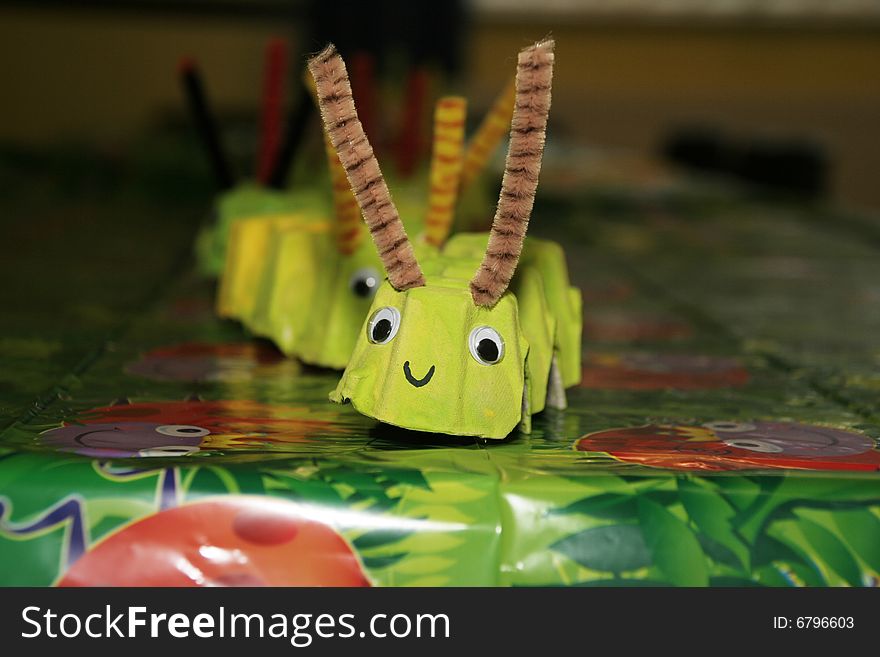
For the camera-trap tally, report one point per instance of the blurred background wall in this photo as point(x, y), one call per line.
point(627, 71)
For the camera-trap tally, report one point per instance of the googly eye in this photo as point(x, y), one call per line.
point(753, 445)
point(383, 325)
point(182, 431)
point(486, 345)
point(169, 450)
point(725, 426)
point(364, 282)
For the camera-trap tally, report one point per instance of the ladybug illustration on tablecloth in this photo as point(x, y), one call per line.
point(606, 291)
point(625, 326)
point(731, 445)
point(183, 428)
point(234, 540)
point(647, 371)
point(208, 362)
point(227, 541)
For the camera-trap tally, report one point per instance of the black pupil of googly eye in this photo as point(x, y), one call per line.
point(361, 287)
point(381, 330)
point(488, 350)
point(189, 430)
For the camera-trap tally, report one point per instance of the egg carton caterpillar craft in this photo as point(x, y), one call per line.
point(308, 285)
point(265, 195)
point(477, 337)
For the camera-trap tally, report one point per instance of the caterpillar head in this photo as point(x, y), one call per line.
point(430, 359)
point(437, 353)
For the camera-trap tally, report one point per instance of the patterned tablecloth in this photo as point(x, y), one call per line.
point(725, 432)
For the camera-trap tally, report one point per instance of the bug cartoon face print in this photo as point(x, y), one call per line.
point(736, 445)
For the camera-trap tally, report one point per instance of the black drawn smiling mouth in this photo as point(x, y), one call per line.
point(418, 383)
point(79, 439)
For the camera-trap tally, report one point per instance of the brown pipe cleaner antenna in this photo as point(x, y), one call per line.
point(362, 169)
point(527, 133)
point(348, 228)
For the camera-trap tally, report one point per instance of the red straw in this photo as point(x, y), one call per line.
point(363, 83)
point(409, 144)
point(273, 86)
